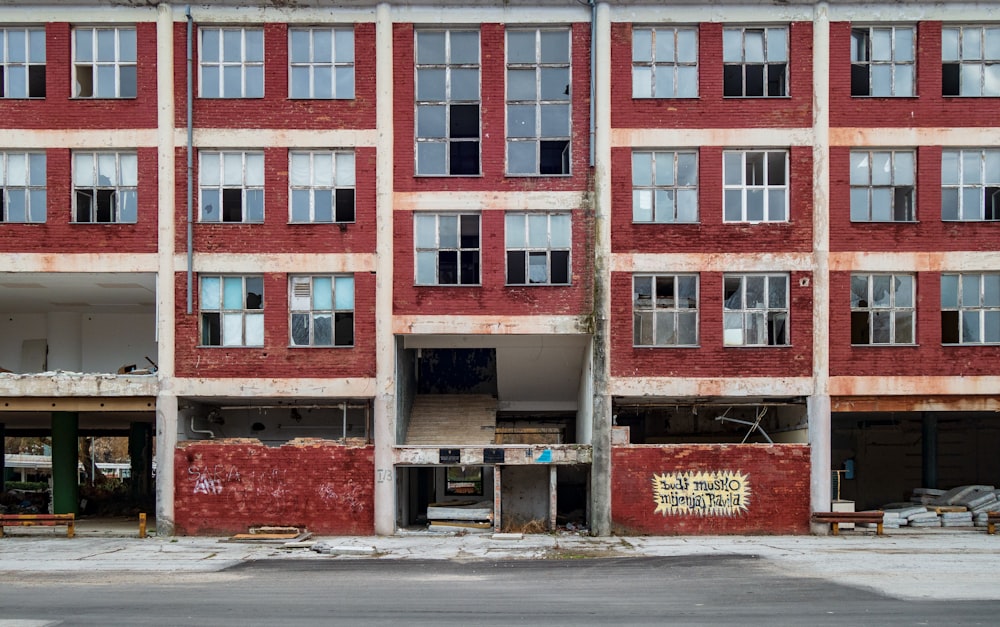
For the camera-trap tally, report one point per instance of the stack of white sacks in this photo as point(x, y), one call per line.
point(963, 506)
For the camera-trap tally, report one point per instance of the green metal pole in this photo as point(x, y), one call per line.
point(65, 460)
point(140, 452)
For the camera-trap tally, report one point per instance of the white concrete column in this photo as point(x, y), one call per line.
point(385, 344)
point(166, 399)
point(818, 405)
point(64, 332)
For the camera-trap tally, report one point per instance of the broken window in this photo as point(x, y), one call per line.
point(755, 310)
point(321, 186)
point(22, 187)
point(755, 185)
point(665, 62)
point(882, 185)
point(665, 310)
point(104, 63)
point(538, 247)
point(321, 63)
point(970, 308)
point(447, 248)
point(664, 186)
point(232, 310)
point(321, 310)
point(970, 184)
point(970, 58)
point(538, 102)
point(231, 62)
point(231, 186)
point(882, 309)
point(447, 101)
point(105, 187)
point(882, 61)
point(22, 63)
point(755, 62)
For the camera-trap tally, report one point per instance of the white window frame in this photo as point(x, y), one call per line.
point(443, 144)
point(22, 64)
point(659, 308)
point(665, 186)
point(241, 325)
point(746, 186)
point(314, 175)
point(315, 298)
point(746, 48)
point(883, 316)
point(970, 185)
point(438, 241)
point(248, 66)
point(883, 61)
point(970, 59)
point(22, 177)
point(665, 62)
point(327, 71)
point(110, 178)
point(523, 232)
point(122, 63)
point(883, 185)
point(543, 105)
point(970, 308)
point(764, 322)
point(218, 171)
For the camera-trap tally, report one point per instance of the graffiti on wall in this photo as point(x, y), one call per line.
point(717, 493)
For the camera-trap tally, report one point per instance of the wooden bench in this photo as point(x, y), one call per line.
point(835, 519)
point(992, 518)
point(39, 520)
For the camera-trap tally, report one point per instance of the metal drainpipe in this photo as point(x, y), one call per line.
point(593, 58)
point(190, 160)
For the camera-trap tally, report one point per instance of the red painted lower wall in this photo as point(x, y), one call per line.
point(224, 487)
point(777, 477)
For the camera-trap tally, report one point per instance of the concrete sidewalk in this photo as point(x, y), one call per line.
point(912, 564)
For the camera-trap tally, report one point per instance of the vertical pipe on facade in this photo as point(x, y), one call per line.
point(593, 40)
point(190, 159)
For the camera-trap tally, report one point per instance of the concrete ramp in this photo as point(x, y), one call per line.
point(453, 419)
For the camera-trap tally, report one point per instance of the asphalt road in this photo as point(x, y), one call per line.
point(703, 590)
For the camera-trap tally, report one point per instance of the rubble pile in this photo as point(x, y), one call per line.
point(963, 506)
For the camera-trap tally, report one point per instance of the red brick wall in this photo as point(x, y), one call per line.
point(226, 487)
point(711, 358)
point(778, 476)
point(60, 111)
point(711, 234)
point(275, 109)
point(710, 109)
point(59, 235)
point(276, 358)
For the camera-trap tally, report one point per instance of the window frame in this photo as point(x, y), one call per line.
point(956, 191)
point(955, 67)
point(246, 65)
point(656, 194)
point(222, 186)
point(337, 66)
point(437, 249)
point(341, 308)
point(544, 145)
point(868, 310)
point(774, 70)
point(34, 193)
point(34, 68)
point(342, 185)
point(863, 69)
point(454, 141)
point(120, 66)
point(675, 67)
point(673, 311)
point(771, 314)
point(956, 314)
point(550, 251)
point(246, 311)
point(121, 188)
point(897, 188)
point(765, 188)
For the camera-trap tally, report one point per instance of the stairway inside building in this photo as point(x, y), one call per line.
point(452, 419)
